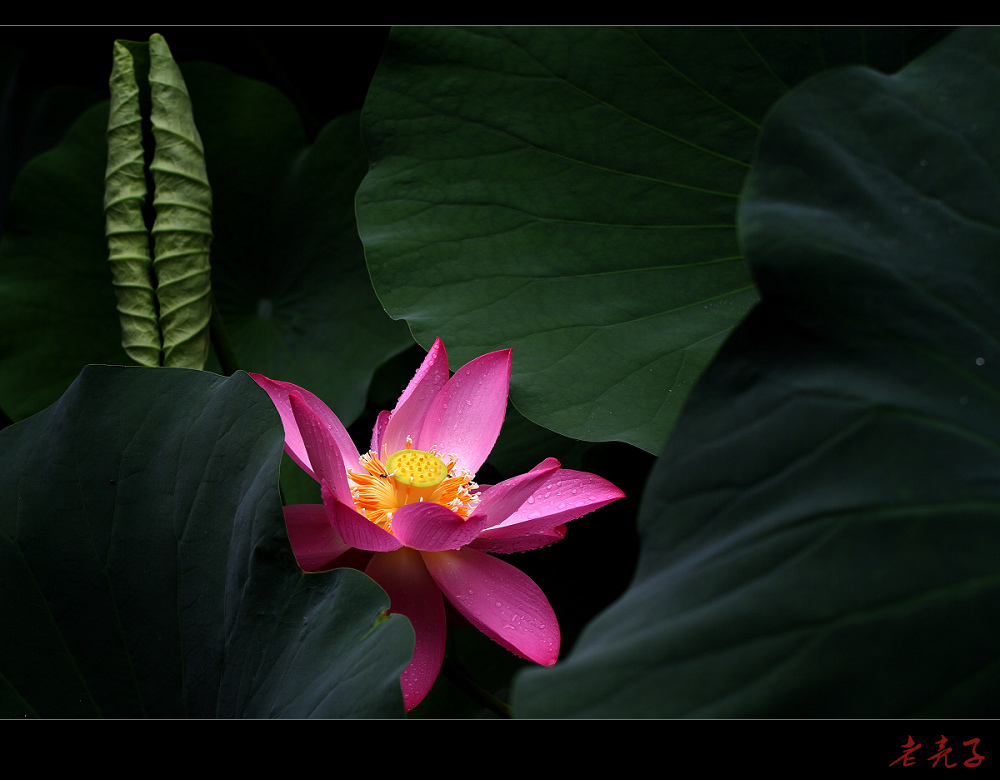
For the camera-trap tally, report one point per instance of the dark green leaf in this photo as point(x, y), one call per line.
point(57, 303)
point(144, 568)
point(30, 122)
point(571, 193)
point(821, 535)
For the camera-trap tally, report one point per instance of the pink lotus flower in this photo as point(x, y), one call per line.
point(426, 526)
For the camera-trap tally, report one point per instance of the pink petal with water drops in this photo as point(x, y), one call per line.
point(500, 501)
point(521, 542)
point(354, 528)
point(466, 416)
point(294, 446)
point(565, 495)
point(412, 592)
point(314, 540)
point(411, 410)
point(498, 599)
point(429, 526)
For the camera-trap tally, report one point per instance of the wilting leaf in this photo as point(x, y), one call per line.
point(182, 199)
point(164, 302)
point(124, 202)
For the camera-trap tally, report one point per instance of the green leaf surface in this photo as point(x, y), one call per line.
point(125, 195)
point(571, 193)
point(145, 572)
point(820, 536)
point(288, 269)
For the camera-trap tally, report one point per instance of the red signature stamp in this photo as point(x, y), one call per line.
point(910, 748)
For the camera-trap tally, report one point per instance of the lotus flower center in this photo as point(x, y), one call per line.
point(409, 477)
point(417, 468)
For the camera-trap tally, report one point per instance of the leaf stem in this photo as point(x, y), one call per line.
point(454, 672)
point(220, 342)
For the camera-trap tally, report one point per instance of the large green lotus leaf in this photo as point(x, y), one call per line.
point(145, 571)
point(571, 193)
point(821, 536)
point(288, 269)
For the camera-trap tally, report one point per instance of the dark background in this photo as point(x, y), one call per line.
point(324, 70)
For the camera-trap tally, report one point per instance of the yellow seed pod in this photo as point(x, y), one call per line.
point(417, 468)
